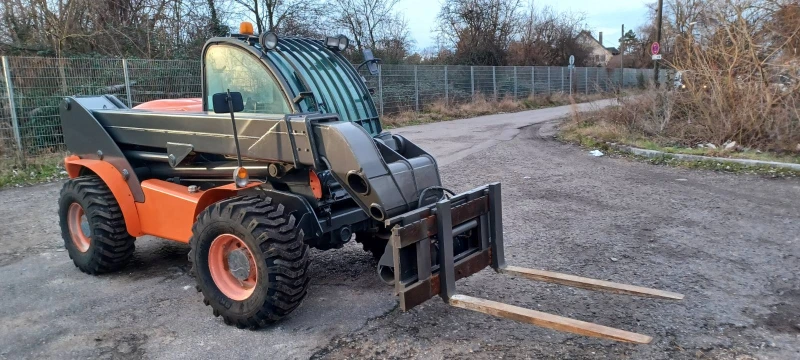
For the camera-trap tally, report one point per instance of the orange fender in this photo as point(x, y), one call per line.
point(170, 210)
point(115, 182)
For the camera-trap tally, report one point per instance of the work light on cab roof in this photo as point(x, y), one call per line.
point(339, 42)
point(268, 40)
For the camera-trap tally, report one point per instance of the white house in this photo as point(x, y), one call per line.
point(599, 55)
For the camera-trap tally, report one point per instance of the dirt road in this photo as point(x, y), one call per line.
point(730, 243)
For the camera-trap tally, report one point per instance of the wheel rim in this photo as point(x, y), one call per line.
point(79, 229)
point(232, 267)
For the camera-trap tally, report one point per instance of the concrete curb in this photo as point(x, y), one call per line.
point(654, 153)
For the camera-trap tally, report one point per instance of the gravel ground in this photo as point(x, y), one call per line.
point(730, 243)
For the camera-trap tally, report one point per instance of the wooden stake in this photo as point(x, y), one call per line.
point(546, 320)
point(590, 284)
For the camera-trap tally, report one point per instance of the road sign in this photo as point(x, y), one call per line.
point(657, 57)
point(655, 48)
point(572, 59)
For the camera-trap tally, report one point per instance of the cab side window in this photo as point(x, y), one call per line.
point(229, 67)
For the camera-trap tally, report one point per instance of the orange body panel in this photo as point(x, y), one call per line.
point(190, 105)
point(169, 209)
point(114, 180)
point(316, 186)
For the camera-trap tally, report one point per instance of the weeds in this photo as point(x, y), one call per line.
point(33, 171)
point(739, 91)
point(589, 137)
point(627, 124)
point(481, 105)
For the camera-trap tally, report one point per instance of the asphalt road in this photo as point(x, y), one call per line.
point(731, 243)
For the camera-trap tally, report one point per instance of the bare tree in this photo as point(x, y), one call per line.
point(548, 38)
point(289, 17)
point(141, 28)
point(479, 31)
point(374, 24)
point(741, 74)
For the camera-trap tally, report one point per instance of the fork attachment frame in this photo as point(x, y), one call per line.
point(426, 260)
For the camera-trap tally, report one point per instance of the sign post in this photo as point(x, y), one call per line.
point(658, 40)
point(655, 50)
point(571, 67)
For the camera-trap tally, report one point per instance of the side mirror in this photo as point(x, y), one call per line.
point(370, 61)
point(221, 105)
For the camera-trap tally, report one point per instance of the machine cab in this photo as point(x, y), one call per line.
point(288, 75)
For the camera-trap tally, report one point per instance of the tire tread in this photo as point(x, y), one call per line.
point(113, 246)
point(283, 249)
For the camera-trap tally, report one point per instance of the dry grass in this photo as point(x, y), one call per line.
point(481, 105)
point(632, 124)
point(742, 85)
point(39, 169)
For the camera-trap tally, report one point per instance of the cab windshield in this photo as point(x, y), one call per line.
point(235, 69)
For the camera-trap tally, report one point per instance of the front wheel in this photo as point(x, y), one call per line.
point(250, 261)
point(93, 226)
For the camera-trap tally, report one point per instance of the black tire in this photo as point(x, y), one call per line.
point(373, 243)
point(278, 251)
point(110, 247)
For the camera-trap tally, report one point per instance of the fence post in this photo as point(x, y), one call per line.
point(416, 90)
point(597, 81)
point(127, 81)
point(624, 79)
point(533, 81)
point(472, 79)
point(562, 80)
point(380, 85)
point(12, 107)
point(622, 83)
point(570, 80)
point(549, 84)
point(586, 80)
point(446, 94)
point(515, 83)
point(494, 81)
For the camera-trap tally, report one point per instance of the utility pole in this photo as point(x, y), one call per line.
point(658, 38)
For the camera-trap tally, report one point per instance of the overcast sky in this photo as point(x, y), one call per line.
point(605, 16)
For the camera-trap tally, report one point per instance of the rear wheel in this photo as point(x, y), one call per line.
point(249, 260)
point(93, 227)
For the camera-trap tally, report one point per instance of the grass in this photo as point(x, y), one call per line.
point(721, 166)
point(600, 135)
point(44, 168)
point(480, 105)
point(592, 128)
